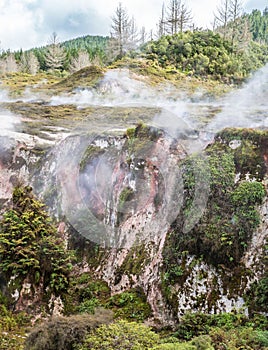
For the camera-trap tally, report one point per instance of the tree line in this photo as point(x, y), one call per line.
point(230, 22)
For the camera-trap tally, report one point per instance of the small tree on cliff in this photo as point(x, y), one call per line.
point(30, 245)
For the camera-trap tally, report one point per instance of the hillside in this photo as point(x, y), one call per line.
point(157, 191)
point(134, 192)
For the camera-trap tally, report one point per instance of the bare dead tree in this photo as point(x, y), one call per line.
point(178, 16)
point(222, 17)
point(29, 63)
point(236, 10)
point(120, 29)
point(161, 27)
point(79, 62)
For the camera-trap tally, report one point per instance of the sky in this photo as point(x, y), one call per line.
point(29, 23)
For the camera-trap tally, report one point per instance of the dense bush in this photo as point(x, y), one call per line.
point(62, 333)
point(121, 335)
point(205, 53)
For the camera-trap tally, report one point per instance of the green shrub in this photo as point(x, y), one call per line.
point(175, 346)
point(30, 245)
point(203, 342)
point(239, 338)
point(88, 306)
point(205, 53)
point(121, 335)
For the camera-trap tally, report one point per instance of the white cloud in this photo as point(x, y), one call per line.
point(16, 25)
point(29, 23)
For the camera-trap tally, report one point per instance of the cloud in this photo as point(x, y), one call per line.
point(28, 23)
point(16, 24)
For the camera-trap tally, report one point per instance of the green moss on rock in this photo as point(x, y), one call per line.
point(130, 305)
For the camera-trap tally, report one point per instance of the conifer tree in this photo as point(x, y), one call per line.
point(55, 55)
point(30, 245)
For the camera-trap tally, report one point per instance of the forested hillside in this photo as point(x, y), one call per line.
point(235, 47)
point(259, 25)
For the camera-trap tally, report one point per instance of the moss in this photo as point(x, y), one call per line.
point(224, 232)
point(90, 153)
point(124, 204)
point(86, 250)
point(16, 83)
point(250, 155)
point(85, 77)
point(134, 262)
point(257, 295)
point(130, 305)
point(50, 195)
point(86, 294)
point(155, 75)
point(40, 117)
point(141, 139)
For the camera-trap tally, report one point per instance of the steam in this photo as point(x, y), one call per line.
point(180, 113)
point(245, 107)
point(8, 123)
point(4, 96)
point(188, 121)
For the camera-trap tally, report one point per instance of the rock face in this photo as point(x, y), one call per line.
point(128, 193)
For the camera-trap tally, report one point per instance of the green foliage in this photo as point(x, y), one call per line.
point(173, 273)
point(12, 329)
point(224, 232)
point(86, 294)
point(248, 193)
point(121, 335)
point(90, 153)
point(257, 296)
point(134, 262)
point(175, 346)
point(131, 305)
point(239, 338)
point(203, 53)
point(88, 306)
point(192, 325)
point(258, 25)
point(30, 245)
point(203, 342)
point(249, 156)
point(62, 333)
point(208, 331)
